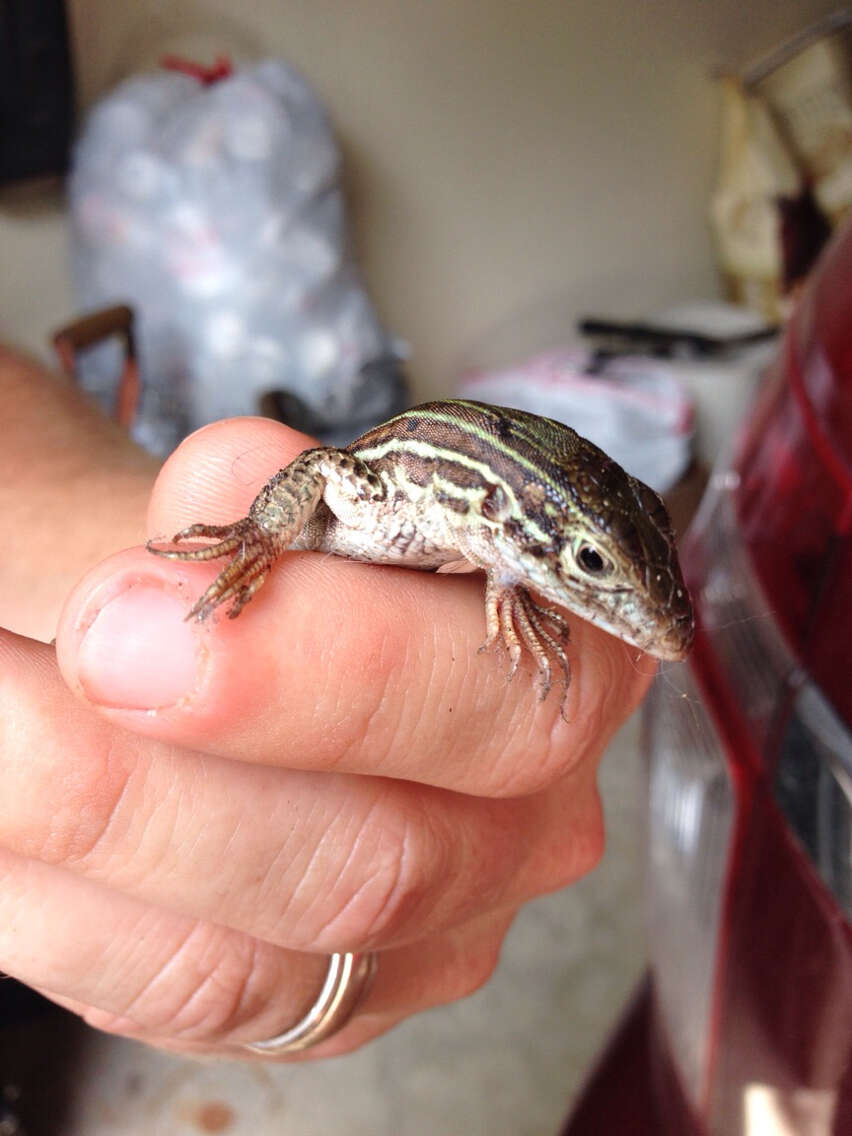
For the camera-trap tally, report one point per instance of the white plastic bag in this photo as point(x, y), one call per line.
point(216, 213)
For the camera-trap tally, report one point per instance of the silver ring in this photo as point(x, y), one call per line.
point(348, 979)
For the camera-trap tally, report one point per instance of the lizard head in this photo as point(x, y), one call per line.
point(622, 560)
point(609, 552)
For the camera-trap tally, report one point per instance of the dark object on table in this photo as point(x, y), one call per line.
point(645, 338)
point(36, 90)
point(383, 392)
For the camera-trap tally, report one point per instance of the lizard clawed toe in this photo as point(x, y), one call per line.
point(515, 618)
point(228, 538)
point(253, 556)
point(556, 618)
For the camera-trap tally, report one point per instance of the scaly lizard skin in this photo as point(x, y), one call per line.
point(460, 485)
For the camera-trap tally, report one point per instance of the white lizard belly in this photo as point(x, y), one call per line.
point(384, 533)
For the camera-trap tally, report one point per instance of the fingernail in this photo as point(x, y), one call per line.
point(139, 653)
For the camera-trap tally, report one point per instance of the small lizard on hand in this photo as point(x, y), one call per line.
point(459, 486)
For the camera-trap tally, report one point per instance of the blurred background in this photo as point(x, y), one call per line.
point(505, 167)
point(491, 173)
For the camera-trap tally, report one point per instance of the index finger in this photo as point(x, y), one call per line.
point(334, 664)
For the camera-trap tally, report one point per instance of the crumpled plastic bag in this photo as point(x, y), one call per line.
point(216, 212)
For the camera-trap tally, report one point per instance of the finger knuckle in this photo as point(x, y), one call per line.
point(575, 849)
point(539, 755)
point(558, 738)
point(87, 803)
point(591, 842)
point(385, 886)
point(207, 990)
point(473, 972)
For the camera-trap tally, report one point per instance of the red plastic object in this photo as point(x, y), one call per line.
point(221, 69)
point(795, 499)
point(777, 1043)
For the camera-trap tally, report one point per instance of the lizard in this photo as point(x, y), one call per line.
point(457, 485)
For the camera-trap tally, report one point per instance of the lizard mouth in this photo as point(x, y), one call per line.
point(674, 643)
point(666, 636)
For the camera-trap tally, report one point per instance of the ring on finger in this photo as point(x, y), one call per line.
point(347, 982)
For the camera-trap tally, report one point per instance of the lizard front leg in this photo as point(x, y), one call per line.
point(276, 518)
point(513, 616)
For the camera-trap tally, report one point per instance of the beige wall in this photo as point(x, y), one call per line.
point(511, 163)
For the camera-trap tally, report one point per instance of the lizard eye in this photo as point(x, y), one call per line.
point(591, 561)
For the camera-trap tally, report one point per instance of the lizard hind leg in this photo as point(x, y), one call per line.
point(275, 519)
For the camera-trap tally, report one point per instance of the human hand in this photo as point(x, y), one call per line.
point(227, 803)
point(73, 488)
